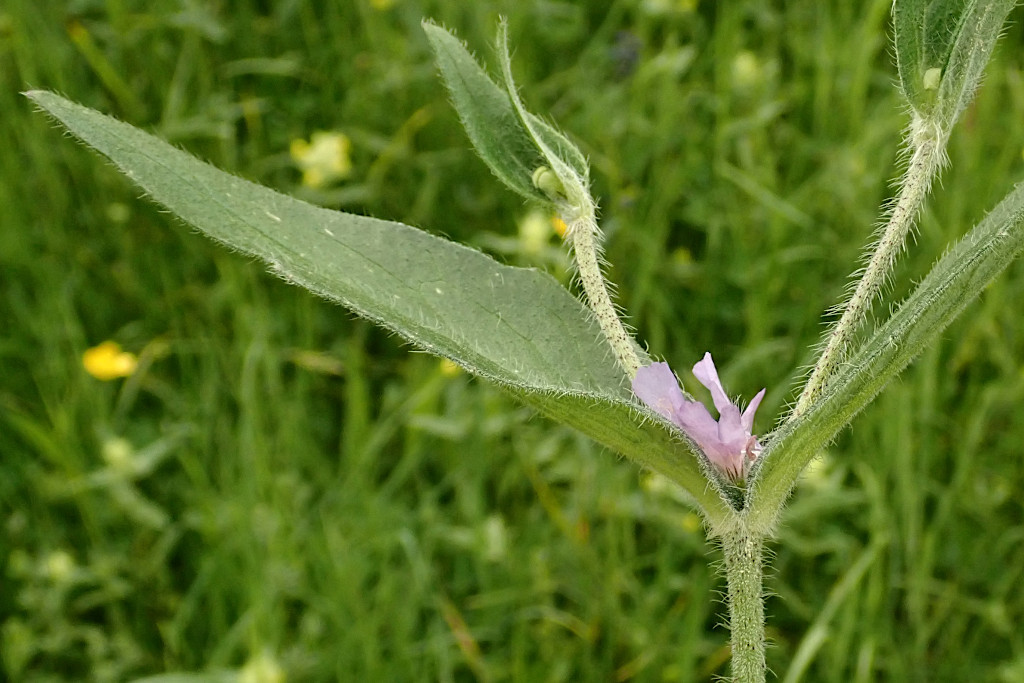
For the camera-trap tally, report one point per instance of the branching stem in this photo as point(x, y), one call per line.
point(927, 156)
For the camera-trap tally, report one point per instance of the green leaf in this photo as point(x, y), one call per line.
point(486, 114)
point(942, 47)
point(565, 160)
point(514, 326)
point(953, 283)
point(493, 125)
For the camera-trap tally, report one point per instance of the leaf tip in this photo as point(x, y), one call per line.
point(36, 95)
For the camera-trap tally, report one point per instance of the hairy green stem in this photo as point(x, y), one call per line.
point(927, 143)
point(743, 573)
point(582, 230)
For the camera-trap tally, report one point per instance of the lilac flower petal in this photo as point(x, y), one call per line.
point(727, 442)
point(707, 374)
point(696, 421)
point(730, 428)
point(656, 386)
point(748, 414)
point(726, 458)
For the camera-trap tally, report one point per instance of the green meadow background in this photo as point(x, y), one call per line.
point(284, 492)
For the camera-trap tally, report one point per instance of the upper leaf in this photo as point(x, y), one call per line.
point(515, 326)
point(564, 159)
point(942, 47)
point(495, 128)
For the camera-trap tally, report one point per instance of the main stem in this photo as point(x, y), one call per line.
point(582, 230)
point(743, 574)
point(927, 144)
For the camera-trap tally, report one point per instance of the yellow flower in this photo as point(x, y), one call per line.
point(535, 230)
point(324, 159)
point(559, 225)
point(107, 361)
point(382, 4)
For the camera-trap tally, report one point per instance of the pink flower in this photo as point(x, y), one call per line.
point(727, 442)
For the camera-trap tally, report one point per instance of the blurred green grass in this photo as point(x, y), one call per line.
point(281, 485)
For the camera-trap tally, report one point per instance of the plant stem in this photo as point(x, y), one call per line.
point(582, 230)
point(742, 550)
point(927, 144)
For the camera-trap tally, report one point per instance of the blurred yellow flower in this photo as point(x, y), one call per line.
point(323, 159)
point(107, 361)
point(534, 232)
point(691, 522)
point(119, 455)
point(262, 668)
point(60, 565)
point(747, 70)
point(559, 226)
point(669, 6)
point(382, 4)
point(681, 256)
point(449, 368)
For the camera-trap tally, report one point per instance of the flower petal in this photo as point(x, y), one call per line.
point(727, 442)
point(658, 387)
point(730, 428)
point(107, 361)
point(748, 414)
point(707, 374)
point(728, 460)
point(697, 422)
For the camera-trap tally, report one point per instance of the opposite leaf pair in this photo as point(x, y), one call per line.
point(486, 310)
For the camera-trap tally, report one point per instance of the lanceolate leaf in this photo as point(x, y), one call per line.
point(953, 283)
point(515, 326)
point(486, 114)
point(495, 128)
point(942, 47)
point(568, 164)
